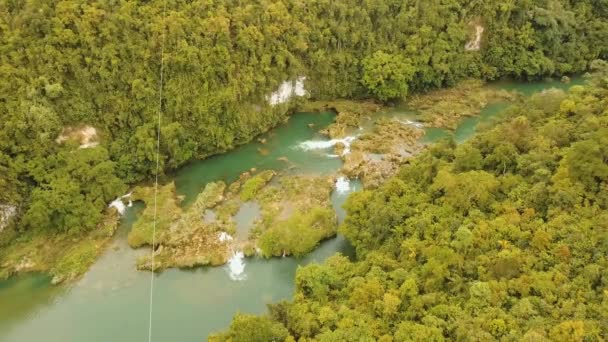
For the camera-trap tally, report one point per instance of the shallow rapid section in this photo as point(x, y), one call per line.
point(342, 185)
point(277, 150)
point(327, 144)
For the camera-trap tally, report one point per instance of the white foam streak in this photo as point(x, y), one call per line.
point(236, 267)
point(325, 144)
point(412, 123)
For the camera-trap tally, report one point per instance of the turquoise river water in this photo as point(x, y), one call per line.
point(110, 303)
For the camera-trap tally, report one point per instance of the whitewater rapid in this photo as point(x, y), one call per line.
point(342, 185)
point(325, 144)
point(119, 205)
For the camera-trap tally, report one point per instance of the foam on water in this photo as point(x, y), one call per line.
point(236, 266)
point(342, 185)
point(325, 144)
point(412, 123)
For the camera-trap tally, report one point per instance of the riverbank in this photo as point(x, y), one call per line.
point(111, 298)
point(370, 144)
point(67, 257)
point(112, 295)
point(62, 256)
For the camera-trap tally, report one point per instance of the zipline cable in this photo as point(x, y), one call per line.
point(160, 110)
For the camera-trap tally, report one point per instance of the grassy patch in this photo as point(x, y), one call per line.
point(75, 261)
point(299, 234)
point(66, 257)
point(184, 239)
point(168, 211)
point(296, 216)
point(210, 197)
point(255, 183)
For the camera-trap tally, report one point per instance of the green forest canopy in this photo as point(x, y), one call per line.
point(504, 237)
point(74, 62)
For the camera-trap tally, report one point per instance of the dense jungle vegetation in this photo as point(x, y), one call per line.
point(502, 238)
point(65, 64)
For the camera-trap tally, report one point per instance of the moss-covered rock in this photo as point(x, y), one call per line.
point(296, 216)
point(377, 155)
point(350, 114)
point(167, 212)
point(210, 197)
point(189, 249)
point(184, 238)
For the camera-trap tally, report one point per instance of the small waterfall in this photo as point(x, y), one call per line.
point(342, 185)
point(120, 205)
point(224, 237)
point(287, 90)
point(475, 43)
point(325, 144)
point(236, 266)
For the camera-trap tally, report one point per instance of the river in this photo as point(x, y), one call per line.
point(110, 303)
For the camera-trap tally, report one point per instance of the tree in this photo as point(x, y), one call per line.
point(74, 187)
point(387, 75)
point(246, 328)
point(467, 157)
point(410, 332)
